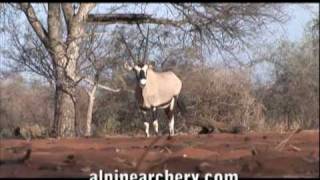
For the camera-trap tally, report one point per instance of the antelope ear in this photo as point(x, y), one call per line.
point(151, 64)
point(127, 66)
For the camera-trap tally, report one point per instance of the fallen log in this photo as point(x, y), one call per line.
point(284, 142)
point(211, 126)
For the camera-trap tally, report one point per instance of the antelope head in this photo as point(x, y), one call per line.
point(140, 70)
point(139, 67)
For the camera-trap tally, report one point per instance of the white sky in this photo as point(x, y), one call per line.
point(299, 17)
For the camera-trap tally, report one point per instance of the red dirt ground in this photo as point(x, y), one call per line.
point(249, 155)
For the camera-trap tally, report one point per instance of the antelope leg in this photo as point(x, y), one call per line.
point(155, 120)
point(146, 123)
point(171, 126)
point(171, 117)
point(156, 126)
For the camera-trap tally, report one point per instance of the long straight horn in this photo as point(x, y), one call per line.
point(139, 51)
point(146, 47)
point(127, 47)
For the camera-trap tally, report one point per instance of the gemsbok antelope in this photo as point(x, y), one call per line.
point(154, 91)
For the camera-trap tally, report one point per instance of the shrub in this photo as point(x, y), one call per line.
point(222, 96)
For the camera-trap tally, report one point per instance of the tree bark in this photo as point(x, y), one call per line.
point(65, 115)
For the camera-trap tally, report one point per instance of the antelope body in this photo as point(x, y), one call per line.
point(154, 91)
point(159, 89)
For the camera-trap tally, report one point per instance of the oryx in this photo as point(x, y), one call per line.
point(154, 90)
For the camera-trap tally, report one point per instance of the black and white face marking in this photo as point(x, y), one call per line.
point(141, 74)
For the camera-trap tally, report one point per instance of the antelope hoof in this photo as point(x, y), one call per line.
point(169, 137)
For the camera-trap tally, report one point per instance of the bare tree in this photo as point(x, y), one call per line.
point(99, 55)
point(33, 57)
point(63, 55)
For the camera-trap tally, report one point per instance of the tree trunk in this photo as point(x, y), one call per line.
point(90, 109)
point(64, 120)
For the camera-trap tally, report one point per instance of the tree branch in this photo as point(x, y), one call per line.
point(67, 12)
point(132, 19)
point(84, 10)
point(54, 25)
point(35, 23)
point(100, 85)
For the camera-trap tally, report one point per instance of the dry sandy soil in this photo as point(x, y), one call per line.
point(250, 155)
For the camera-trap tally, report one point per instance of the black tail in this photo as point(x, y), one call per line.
point(181, 105)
